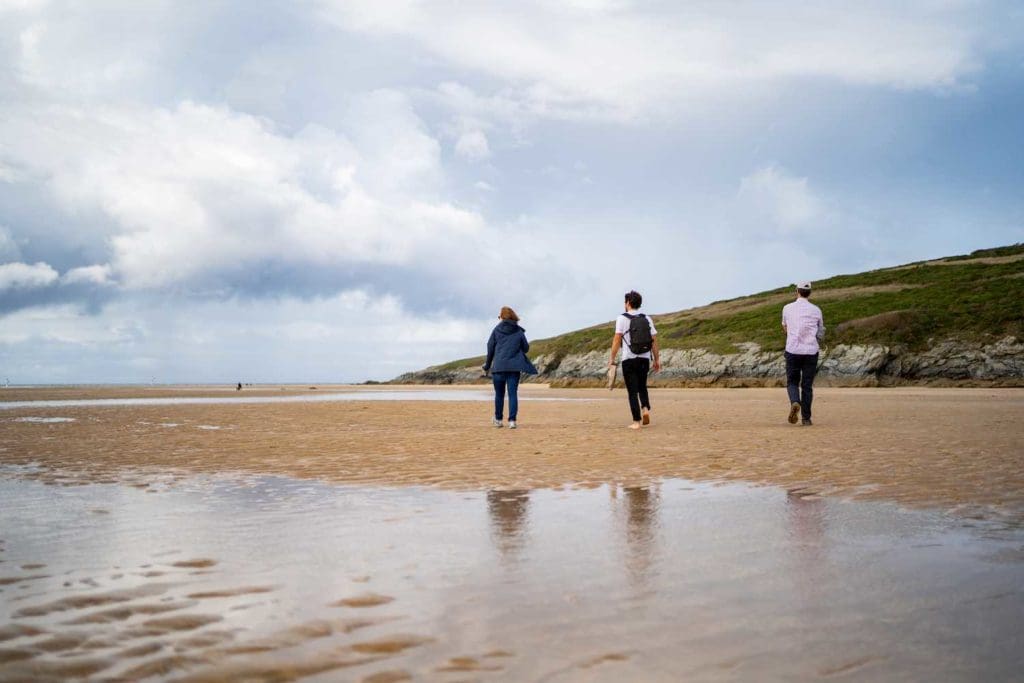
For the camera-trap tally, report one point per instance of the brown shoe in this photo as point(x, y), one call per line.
point(794, 410)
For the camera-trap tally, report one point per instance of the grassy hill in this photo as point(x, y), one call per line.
point(976, 297)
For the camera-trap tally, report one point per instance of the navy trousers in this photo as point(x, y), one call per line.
point(800, 371)
point(506, 381)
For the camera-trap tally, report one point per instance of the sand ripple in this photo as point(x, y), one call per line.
point(956, 448)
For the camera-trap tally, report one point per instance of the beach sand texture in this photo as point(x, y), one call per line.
point(960, 449)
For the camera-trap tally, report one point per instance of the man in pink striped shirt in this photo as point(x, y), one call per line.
point(805, 328)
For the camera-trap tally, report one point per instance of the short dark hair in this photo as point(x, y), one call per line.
point(803, 292)
point(634, 299)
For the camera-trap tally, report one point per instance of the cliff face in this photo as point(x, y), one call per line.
point(948, 361)
point(958, 319)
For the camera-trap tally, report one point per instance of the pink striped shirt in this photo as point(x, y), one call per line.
point(803, 323)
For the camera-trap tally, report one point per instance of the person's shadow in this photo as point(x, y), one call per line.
point(508, 511)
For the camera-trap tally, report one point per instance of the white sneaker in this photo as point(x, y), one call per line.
point(512, 424)
point(496, 422)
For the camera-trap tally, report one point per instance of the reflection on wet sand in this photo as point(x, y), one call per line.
point(810, 572)
point(641, 507)
point(508, 510)
point(277, 579)
point(805, 514)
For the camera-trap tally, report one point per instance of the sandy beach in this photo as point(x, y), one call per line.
point(339, 534)
point(960, 449)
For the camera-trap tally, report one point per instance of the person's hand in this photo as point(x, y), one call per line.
point(657, 366)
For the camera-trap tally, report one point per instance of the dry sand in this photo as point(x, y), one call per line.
point(954, 448)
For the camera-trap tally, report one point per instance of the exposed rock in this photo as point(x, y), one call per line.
point(855, 361)
point(958, 360)
point(867, 365)
point(593, 364)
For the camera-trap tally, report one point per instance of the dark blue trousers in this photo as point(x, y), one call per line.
point(800, 371)
point(503, 381)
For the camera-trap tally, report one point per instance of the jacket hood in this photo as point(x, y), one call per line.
point(508, 327)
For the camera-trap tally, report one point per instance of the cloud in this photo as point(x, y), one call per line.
point(617, 60)
point(473, 145)
point(777, 203)
point(65, 325)
point(96, 275)
point(9, 250)
point(24, 286)
point(203, 198)
point(350, 336)
point(25, 276)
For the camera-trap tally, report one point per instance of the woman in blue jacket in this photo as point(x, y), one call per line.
point(506, 358)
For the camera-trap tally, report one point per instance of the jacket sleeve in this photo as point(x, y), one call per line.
point(491, 343)
point(524, 344)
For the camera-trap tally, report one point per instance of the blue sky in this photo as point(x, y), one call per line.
point(340, 190)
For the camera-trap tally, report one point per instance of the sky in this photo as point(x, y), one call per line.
point(345, 190)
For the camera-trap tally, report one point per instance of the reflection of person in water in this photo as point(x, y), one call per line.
point(806, 518)
point(641, 519)
point(806, 515)
point(508, 511)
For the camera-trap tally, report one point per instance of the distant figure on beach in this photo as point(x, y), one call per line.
point(506, 359)
point(239, 387)
point(636, 335)
point(805, 329)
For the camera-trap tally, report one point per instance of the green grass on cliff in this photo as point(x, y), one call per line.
point(979, 296)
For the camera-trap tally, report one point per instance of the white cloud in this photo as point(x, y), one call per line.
point(63, 324)
point(284, 339)
point(777, 203)
point(88, 49)
point(618, 59)
point(25, 276)
point(9, 250)
point(8, 174)
point(97, 275)
point(21, 5)
point(473, 145)
point(198, 190)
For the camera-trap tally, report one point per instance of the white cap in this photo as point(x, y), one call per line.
point(803, 285)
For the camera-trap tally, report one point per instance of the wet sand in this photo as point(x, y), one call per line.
point(958, 449)
point(379, 541)
point(262, 578)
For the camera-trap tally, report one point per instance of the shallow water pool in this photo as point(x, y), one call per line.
point(275, 579)
point(396, 395)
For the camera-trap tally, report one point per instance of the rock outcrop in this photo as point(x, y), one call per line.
point(945, 361)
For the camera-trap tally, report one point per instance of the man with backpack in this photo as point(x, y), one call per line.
point(636, 336)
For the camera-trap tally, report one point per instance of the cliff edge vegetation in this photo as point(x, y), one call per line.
point(956, 318)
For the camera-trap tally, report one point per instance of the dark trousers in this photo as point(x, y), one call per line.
point(634, 374)
point(503, 381)
point(800, 371)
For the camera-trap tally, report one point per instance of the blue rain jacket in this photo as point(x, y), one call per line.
point(506, 350)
